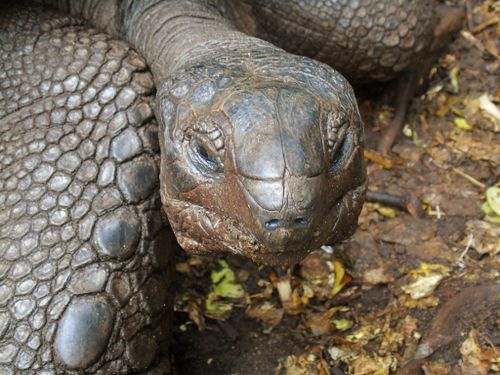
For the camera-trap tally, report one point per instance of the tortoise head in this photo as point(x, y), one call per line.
point(268, 168)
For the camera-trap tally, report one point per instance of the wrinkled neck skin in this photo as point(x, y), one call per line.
point(170, 35)
point(177, 34)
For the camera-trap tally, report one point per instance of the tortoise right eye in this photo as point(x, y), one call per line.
point(204, 156)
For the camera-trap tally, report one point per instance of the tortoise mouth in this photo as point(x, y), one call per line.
point(206, 232)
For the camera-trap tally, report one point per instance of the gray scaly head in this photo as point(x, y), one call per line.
point(263, 161)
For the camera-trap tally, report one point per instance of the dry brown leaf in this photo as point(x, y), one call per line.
point(474, 360)
point(486, 237)
point(487, 148)
point(321, 323)
point(196, 314)
point(379, 275)
point(424, 280)
point(266, 313)
point(378, 158)
point(407, 326)
point(182, 267)
point(436, 368)
point(308, 363)
point(365, 365)
point(314, 267)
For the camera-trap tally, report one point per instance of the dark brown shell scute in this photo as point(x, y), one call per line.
point(367, 40)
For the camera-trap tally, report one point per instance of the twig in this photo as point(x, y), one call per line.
point(469, 178)
point(484, 25)
point(475, 42)
point(409, 202)
point(468, 7)
point(460, 260)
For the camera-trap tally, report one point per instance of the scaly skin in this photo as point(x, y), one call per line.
point(366, 40)
point(85, 259)
point(261, 155)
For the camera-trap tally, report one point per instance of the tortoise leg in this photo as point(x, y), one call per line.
point(407, 86)
point(85, 256)
point(409, 83)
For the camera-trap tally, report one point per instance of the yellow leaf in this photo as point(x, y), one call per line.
point(489, 214)
point(428, 268)
point(454, 79)
point(385, 211)
point(457, 111)
point(341, 278)
point(462, 123)
point(489, 107)
point(378, 158)
point(424, 280)
point(363, 335)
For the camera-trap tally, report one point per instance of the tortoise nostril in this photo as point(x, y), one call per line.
point(273, 224)
point(300, 222)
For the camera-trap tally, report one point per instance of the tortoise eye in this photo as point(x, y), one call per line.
point(205, 156)
point(342, 150)
point(339, 139)
point(208, 158)
point(205, 145)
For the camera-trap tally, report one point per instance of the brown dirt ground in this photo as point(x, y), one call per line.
point(373, 325)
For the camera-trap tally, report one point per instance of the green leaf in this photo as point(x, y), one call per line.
point(493, 198)
point(342, 324)
point(215, 308)
point(489, 214)
point(223, 282)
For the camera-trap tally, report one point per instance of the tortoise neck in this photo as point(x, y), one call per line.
point(170, 34)
point(101, 14)
point(165, 32)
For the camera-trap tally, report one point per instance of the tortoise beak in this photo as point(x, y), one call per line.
point(284, 210)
